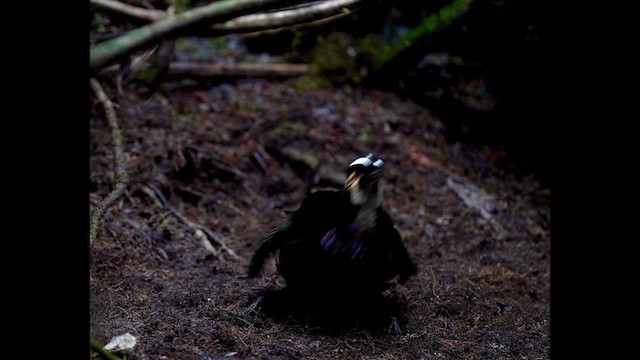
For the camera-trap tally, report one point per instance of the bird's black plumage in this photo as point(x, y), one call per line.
point(339, 246)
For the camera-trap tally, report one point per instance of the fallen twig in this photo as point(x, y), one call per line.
point(199, 229)
point(433, 284)
point(121, 177)
point(477, 199)
point(201, 232)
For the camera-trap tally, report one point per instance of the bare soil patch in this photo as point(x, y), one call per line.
point(478, 234)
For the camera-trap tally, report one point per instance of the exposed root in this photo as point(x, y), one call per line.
point(121, 178)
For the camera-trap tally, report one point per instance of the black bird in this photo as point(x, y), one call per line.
point(340, 247)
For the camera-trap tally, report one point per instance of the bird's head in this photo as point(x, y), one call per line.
point(363, 181)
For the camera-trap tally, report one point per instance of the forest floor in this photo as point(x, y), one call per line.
point(478, 234)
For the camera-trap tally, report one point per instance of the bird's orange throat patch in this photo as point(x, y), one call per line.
point(352, 180)
point(358, 197)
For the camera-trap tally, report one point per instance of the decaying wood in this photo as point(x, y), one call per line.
point(121, 177)
point(196, 70)
point(219, 11)
point(199, 70)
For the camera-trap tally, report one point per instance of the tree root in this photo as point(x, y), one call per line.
point(121, 177)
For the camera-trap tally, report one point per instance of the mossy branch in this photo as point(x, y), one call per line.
point(121, 177)
point(95, 345)
point(218, 11)
point(114, 7)
point(277, 19)
point(429, 25)
point(242, 24)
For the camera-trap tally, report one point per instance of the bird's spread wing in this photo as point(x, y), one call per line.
point(314, 209)
point(271, 243)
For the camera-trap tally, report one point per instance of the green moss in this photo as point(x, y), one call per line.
point(221, 45)
point(364, 135)
point(332, 59)
point(340, 60)
point(183, 5)
point(446, 13)
point(302, 156)
point(141, 296)
point(296, 41)
point(100, 23)
point(146, 76)
point(257, 106)
point(290, 128)
point(185, 117)
point(370, 46)
point(310, 82)
point(429, 25)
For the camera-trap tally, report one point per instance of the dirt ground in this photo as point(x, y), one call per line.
point(234, 158)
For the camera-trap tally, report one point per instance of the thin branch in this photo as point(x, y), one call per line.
point(210, 235)
point(203, 233)
point(119, 8)
point(306, 25)
point(329, 19)
point(121, 177)
point(433, 284)
point(219, 11)
point(271, 20)
point(242, 24)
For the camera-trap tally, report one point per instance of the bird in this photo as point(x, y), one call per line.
point(340, 247)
